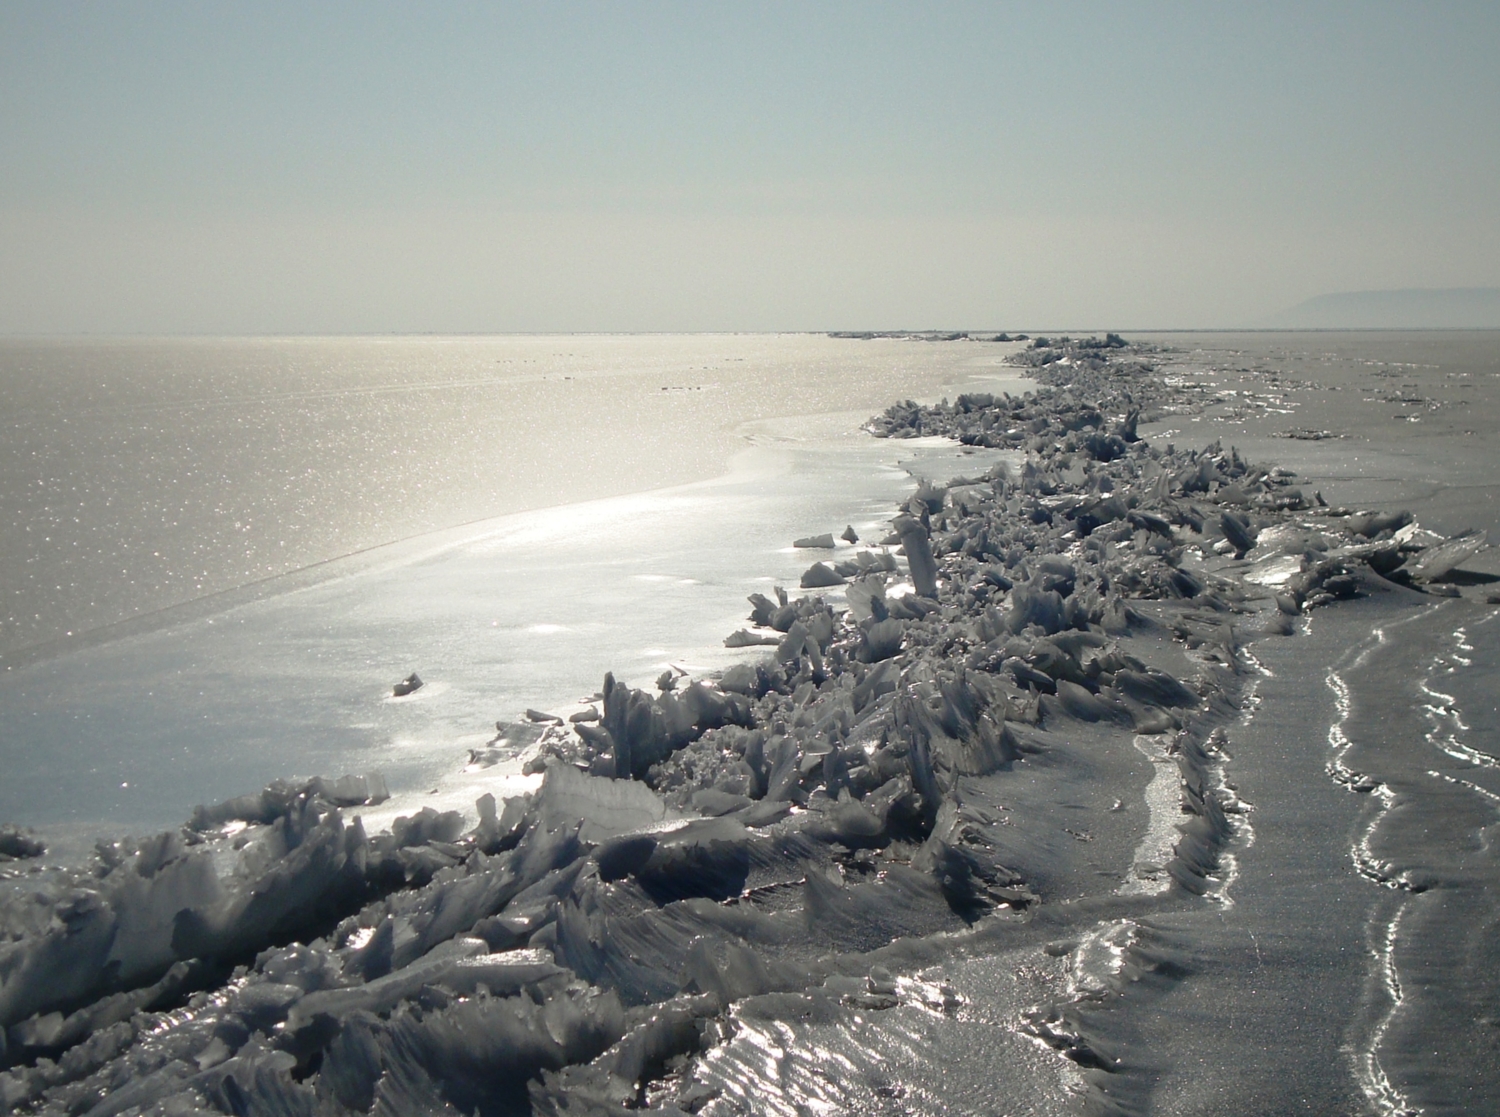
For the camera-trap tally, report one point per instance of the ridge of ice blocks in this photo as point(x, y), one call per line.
point(942, 760)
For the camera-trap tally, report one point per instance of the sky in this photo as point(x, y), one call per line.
point(648, 166)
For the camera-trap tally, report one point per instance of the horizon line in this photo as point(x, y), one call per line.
point(891, 333)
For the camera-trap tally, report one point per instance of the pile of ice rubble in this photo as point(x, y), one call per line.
point(769, 844)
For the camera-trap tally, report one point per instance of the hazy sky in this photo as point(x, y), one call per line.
point(369, 167)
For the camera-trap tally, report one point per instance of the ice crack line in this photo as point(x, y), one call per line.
point(1443, 713)
point(1374, 1083)
point(1381, 1092)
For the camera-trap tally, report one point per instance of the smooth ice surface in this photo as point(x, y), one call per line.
point(138, 475)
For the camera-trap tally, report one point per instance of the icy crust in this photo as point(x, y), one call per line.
point(949, 760)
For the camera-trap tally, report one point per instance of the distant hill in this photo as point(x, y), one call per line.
point(1416, 308)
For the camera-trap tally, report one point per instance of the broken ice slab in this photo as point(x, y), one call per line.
point(1238, 530)
point(1371, 524)
point(18, 843)
point(1436, 562)
point(881, 640)
point(274, 800)
point(860, 593)
point(745, 679)
point(918, 548)
point(461, 965)
point(823, 542)
point(352, 791)
point(743, 638)
point(820, 575)
point(607, 807)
